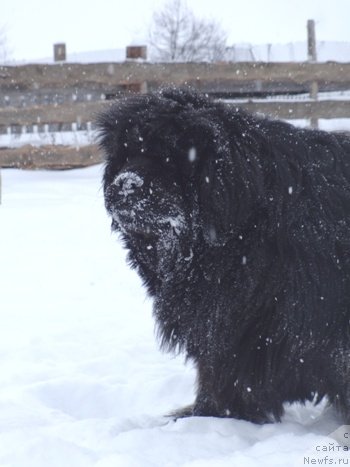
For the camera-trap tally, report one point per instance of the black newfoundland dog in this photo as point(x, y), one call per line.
point(240, 229)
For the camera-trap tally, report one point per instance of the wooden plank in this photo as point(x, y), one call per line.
point(80, 112)
point(50, 157)
point(108, 75)
point(300, 110)
point(87, 111)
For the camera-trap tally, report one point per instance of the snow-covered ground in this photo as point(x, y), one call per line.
point(82, 382)
point(39, 138)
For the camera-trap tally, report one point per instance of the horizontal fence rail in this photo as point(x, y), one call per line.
point(50, 157)
point(61, 115)
point(82, 115)
point(103, 76)
point(299, 110)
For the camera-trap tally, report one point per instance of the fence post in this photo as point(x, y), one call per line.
point(134, 52)
point(312, 57)
point(311, 41)
point(59, 52)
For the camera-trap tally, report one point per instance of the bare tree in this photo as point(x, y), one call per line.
point(176, 34)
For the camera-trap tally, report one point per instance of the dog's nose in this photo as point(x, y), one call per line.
point(127, 183)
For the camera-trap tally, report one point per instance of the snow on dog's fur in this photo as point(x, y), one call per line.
point(240, 228)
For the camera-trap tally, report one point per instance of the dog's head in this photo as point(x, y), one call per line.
point(170, 167)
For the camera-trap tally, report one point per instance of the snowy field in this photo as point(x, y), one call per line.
point(82, 382)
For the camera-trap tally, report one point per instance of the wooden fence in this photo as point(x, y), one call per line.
point(43, 99)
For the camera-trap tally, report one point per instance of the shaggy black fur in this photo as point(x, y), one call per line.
point(240, 228)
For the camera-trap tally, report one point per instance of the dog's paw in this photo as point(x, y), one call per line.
point(184, 412)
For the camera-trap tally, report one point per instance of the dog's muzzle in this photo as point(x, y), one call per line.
point(145, 206)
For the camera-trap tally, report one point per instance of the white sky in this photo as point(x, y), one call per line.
point(33, 26)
